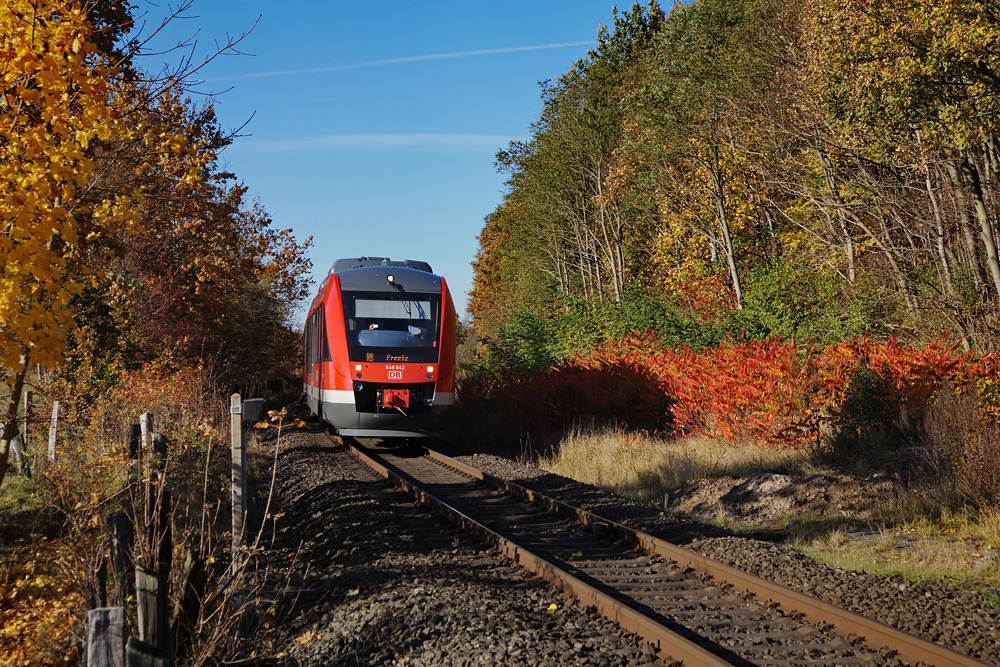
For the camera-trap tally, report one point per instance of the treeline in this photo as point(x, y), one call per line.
point(808, 169)
point(126, 247)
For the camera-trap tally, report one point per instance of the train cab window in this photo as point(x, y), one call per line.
point(385, 327)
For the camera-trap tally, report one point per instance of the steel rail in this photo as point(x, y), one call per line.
point(875, 634)
point(666, 640)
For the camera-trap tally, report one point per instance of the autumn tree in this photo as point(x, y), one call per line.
point(569, 212)
point(920, 81)
point(820, 168)
point(57, 102)
point(209, 278)
point(100, 162)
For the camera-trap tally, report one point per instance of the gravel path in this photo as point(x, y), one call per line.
point(937, 612)
point(386, 583)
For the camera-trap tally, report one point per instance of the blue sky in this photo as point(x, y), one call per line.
point(373, 126)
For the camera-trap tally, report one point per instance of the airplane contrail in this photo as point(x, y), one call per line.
point(405, 59)
point(446, 141)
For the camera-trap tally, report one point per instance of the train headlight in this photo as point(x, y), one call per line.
point(358, 386)
point(430, 377)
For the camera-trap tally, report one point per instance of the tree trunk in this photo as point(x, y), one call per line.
point(890, 255)
point(719, 194)
point(10, 423)
point(962, 205)
point(939, 231)
point(971, 173)
point(830, 180)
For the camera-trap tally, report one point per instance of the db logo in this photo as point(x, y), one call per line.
point(395, 375)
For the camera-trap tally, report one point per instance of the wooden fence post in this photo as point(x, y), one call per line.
point(134, 437)
point(122, 538)
point(20, 455)
point(163, 548)
point(152, 584)
point(52, 430)
point(151, 602)
point(141, 654)
point(106, 637)
point(238, 435)
point(146, 428)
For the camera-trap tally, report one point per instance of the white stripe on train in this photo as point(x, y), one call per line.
point(346, 396)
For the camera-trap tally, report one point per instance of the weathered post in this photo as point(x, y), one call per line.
point(237, 435)
point(122, 537)
point(52, 430)
point(106, 637)
point(163, 532)
point(142, 654)
point(151, 601)
point(20, 455)
point(134, 438)
point(146, 428)
point(153, 581)
point(145, 432)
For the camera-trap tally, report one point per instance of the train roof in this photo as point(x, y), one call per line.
point(363, 262)
point(370, 273)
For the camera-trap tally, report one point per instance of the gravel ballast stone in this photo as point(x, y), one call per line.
point(391, 584)
point(937, 612)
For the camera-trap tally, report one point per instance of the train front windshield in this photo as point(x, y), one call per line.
point(386, 327)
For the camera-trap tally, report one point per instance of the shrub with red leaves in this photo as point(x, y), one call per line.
point(540, 407)
point(770, 391)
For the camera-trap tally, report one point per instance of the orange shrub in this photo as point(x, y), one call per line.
point(755, 390)
point(915, 374)
point(770, 391)
point(539, 407)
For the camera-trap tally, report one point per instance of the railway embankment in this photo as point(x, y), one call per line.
point(952, 616)
point(387, 583)
point(382, 581)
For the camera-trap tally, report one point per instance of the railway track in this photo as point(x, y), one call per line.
point(693, 609)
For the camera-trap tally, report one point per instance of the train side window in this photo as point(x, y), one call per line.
point(313, 342)
point(316, 340)
point(326, 342)
point(308, 351)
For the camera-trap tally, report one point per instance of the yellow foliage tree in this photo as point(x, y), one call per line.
point(55, 100)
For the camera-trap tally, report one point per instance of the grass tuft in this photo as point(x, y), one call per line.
point(650, 468)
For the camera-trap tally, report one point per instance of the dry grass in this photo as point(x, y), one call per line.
point(956, 548)
point(649, 468)
point(915, 540)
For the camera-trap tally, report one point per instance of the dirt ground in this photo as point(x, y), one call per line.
point(770, 497)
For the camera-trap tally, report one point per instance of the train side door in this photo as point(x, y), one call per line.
point(317, 360)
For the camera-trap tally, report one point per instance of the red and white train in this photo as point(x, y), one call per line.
point(380, 349)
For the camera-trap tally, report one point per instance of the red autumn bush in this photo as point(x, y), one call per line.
point(599, 389)
point(770, 391)
point(914, 375)
point(756, 390)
